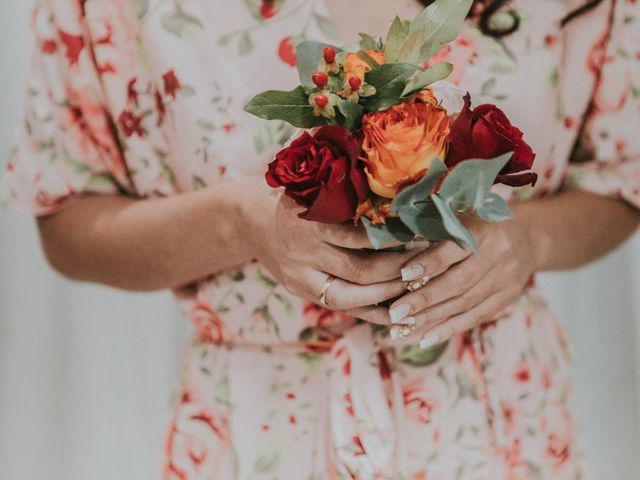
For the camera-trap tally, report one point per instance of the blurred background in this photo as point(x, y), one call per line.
point(87, 373)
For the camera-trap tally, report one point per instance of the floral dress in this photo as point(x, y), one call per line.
point(144, 98)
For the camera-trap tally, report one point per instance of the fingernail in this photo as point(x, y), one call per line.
point(412, 272)
point(429, 341)
point(399, 312)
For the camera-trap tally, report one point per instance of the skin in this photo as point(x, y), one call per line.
point(466, 290)
point(153, 244)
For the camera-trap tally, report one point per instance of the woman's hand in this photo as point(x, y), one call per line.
point(465, 290)
point(301, 255)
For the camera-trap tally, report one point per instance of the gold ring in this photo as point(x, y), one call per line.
point(325, 289)
point(417, 284)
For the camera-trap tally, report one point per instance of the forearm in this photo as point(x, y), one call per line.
point(574, 228)
point(150, 244)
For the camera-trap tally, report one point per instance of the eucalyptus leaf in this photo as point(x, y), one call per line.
point(309, 59)
point(452, 224)
point(494, 209)
point(424, 220)
point(352, 113)
point(440, 22)
point(390, 81)
point(397, 36)
point(292, 107)
point(470, 182)
point(423, 79)
point(367, 42)
point(393, 231)
point(420, 191)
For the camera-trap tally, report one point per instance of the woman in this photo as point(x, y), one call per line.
point(145, 174)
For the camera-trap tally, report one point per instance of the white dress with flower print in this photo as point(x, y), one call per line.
point(145, 99)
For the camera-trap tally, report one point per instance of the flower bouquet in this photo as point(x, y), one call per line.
point(386, 142)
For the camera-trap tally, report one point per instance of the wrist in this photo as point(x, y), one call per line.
point(254, 205)
point(525, 216)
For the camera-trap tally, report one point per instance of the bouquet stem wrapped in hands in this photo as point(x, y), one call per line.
point(390, 152)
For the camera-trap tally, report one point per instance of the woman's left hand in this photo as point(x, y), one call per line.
point(464, 290)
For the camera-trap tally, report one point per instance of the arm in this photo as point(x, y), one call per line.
point(147, 244)
point(565, 231)
point(575, 228)
point(162, 243)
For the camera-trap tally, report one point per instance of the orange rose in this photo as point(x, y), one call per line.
point(354, 66)
point(400, 143)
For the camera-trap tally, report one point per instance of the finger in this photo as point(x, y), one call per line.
point(451, 284)
point(377, 315)
point(346, 235)
point(342, 295)
point(479, 315)
point(362, 268)
point(433, 261)
point(441, 312)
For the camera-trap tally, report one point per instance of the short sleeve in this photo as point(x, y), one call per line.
point(606, 160)
point(66, 143)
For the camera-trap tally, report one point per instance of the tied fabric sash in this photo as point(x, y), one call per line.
point(365, 424)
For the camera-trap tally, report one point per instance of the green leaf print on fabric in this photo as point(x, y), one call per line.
point(417, 357)
point(326, 26)
point(181, 24)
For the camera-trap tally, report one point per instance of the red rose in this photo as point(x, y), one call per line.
point(321, 173)
point(486, 132)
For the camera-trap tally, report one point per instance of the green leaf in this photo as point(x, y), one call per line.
point(470, 182)
point(309, 60)
point(423, 79)
point(292, 107)
point(397, 36)
point(417, 357)
point(494, 209)
point(440, 22)
point(352, 113)
point(410, 51)
point(327, 27)
point(245, 45)
point(452, 224)
point(393, 231)
point(390, 81)
point(367, 42)
point(425, 220)
point(368, 59)
point(419, 192)
point(182, 25)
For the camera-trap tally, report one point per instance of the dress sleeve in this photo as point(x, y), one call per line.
point(606, 160)
point(66, 144)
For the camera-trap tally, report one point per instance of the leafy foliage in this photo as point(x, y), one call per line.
point(292, 107)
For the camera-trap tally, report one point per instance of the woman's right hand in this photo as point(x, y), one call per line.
point(301, 255)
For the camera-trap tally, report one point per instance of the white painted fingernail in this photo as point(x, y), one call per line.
point(429, 341)
point(399, 312)
point(394, 333)
point(412, 272)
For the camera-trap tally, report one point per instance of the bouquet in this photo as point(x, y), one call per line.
point(387, 143)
